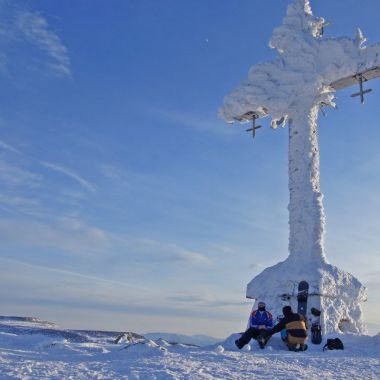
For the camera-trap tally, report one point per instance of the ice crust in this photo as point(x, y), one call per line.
point(292, 88)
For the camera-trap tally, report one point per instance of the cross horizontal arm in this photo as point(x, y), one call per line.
point(361, 93)
point(353, 79)
point(251, 115)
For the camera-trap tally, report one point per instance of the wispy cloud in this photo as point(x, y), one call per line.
point(84, 277)
point(206, 300)
point(131, 178)
point(164, 252)
point(12, 175)
point(121, 176)
point(222, 248)
point(16, 201)
point(256, 266)
point(74, 236)
point(19, 25)
point(62, 170)
point(65, 237)
point(51, 287)
point(184, 256)
point(191, 121)
point(111, 172)
point(4, 145)
point(35, 29)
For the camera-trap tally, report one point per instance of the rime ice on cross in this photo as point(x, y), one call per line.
point(292, 89)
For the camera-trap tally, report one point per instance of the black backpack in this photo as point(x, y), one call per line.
point(333, 344)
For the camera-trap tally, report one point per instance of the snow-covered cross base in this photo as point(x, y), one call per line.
point(292, 89)
point(337, 293)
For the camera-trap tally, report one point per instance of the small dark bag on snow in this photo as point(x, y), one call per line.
point(333, 344)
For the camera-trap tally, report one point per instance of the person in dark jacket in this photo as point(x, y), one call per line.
point(296, 327)
point(260, 321)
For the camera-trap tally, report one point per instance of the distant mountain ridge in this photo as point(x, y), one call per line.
point(34, 325)
point(32, 320)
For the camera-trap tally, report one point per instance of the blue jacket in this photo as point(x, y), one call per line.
point(260, 318)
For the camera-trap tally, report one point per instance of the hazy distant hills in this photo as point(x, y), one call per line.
point(32, 325)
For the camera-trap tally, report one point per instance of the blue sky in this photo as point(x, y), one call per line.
point(125, 202)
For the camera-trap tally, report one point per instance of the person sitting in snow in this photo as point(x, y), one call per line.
point(260, 322)
point(296, 328)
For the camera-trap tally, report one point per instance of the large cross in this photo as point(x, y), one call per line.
point(292, 89)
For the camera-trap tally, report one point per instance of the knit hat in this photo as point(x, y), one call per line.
point(287, 310)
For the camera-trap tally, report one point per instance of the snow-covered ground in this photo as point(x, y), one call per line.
point(39, 350)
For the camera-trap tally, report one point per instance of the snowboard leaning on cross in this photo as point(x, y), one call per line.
point(303, 293)
point(302, 297)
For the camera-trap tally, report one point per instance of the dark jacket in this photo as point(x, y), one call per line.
point(295, 325)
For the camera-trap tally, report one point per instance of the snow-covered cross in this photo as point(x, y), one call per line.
point(292, 89)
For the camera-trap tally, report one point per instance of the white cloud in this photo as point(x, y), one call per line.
point(208, 300)
point(20, 26)
point(185, 256)
point(190, 121)
point(29, 289)
point(15, 201)
point(167, 252)
point(4, 145)
point(256, 266)
point(129, 178)
point(222, 249)
point(12, 175)
point(112, 172)
point(48, 284)
point(80, 239)
point(60, 169)
point(73, 236)
point(35, 29)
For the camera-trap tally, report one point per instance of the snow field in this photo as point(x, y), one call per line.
point(38, 356)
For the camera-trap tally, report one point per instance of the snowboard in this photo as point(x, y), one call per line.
point(303, 292)
point(316, 331)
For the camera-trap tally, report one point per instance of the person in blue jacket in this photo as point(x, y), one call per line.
point(260, 321)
